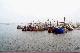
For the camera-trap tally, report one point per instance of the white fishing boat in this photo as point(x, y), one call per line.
point(78, 28)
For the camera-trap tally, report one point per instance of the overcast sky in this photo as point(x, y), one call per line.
point(28, 10)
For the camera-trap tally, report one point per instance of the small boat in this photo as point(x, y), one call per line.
point(19, 27)
point(69, 28)
point(78, 28)
point(46, 28)
point(37, 28)
point(58, 30)
point(34, 29)
point(24, 28)
point(49, 29)
point(29, 28)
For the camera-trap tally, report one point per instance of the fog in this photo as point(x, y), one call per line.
point(20, 11)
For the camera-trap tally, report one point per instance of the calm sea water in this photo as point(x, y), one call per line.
point(12, 39)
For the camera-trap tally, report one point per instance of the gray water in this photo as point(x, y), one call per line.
point(12, 39)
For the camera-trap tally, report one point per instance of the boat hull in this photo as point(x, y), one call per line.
point(58, 30)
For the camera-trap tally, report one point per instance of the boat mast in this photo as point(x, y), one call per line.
point(50, 23)
point(57, 22)
point(64, 21)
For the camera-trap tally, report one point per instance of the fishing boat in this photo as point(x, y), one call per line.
point(19, 27)
point(78, 28)
point(59, 30)
point(45, 26)
point(69, 27)
point(24, 28)
point(49, 29)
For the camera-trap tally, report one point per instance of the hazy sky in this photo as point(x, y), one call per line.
point(28, 10)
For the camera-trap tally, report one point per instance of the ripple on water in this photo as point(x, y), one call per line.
point(13, 39)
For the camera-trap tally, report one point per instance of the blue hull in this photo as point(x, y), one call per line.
point(59, 30)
